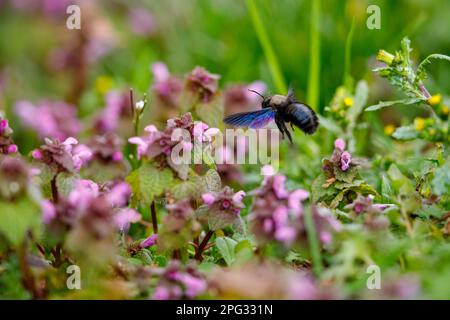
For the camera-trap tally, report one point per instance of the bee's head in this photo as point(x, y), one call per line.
point(266, 101)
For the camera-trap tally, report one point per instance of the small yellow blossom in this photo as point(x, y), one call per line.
point(389, 129)
point(348, 102)
point(445, 110)
point(432, 131)
point(435, 99)
point(385, 57)
point(419, 124)
point(103, 84)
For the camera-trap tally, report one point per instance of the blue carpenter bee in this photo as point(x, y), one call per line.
point(282, 109)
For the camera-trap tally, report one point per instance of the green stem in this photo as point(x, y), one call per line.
point(314, 243)
point(263, 38)
point(312, 95)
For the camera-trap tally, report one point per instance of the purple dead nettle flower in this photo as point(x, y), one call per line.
point(63, 156)
point(149, 242)
point(224, 207)
point(54, 119)
point(142, 22)
point(179, 214)
point(340, 156)
point(7, 145)
point(107, 148)
point(117, 108)
point(373, 213)
point(167, 87)
point(182, 132)
point(238, 98)
point(178, 282)
point(202, 84)
point(15, 177)
point(87, 197)
point(277, 214)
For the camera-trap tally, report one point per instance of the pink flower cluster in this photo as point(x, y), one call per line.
point(276, 212)
point(340, 156)
point(203, 84)
point(106, 148)
point(117, 107)
point(161, 143)
point(167, 87)
point(177, 282)
point(63, 156)
point(53, 119)
point(238, 98)
point(225, 200)
point(6, 143)
point(88, 199)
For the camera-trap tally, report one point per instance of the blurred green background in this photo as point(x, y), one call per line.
point(219, 35)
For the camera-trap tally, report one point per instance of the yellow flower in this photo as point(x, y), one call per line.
point(432, 131)
point(389, 129)
point(385, 57)
point(445, 110)
point(103, 84)
point(348, 102)
point(435, 99)
point(419, 124)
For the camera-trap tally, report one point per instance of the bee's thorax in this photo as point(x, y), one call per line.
point(277, 100)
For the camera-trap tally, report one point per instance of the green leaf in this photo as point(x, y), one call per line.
point(147, 182)
point(17, 218)
point(65, 182)
point(405, 133)
point(360, 100)
point(218, 219)
point(226, 248)
point(421, 75)
point(441, 181)
point(384, 104)
point(213, 181)
point(346, 176)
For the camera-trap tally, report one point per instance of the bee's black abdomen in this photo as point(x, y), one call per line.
point(302, 116)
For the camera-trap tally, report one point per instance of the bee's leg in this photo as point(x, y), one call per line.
point(292, 126)
point(288, 133)
point(280, 126)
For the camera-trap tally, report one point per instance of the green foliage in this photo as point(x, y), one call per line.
point(147, 182)
point(18, 218)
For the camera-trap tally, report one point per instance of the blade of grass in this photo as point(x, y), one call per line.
point(347, 79)
point(313, 241)
point(312, 95)
point(263, 38)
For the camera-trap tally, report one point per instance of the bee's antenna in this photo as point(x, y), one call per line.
point(259, 94)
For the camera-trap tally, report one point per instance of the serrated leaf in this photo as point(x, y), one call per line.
point(226, 248)
point(220, 219)
point(421, 75)
point(346, 176)
point(441, 180)
point(213, 181)
point(384, 104)
point(65, 182)
point(147, 182)
point(17, 218)
point(405, 133)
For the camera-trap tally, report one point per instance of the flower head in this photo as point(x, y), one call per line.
point(63, 156)
point(177, 282)
point(167, 87)
point(7, 145)
point(54, 119)
point(202, 84)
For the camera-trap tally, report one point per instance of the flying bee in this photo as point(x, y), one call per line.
point(282, 109)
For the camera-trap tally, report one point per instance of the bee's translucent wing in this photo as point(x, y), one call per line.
point(253, 119)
